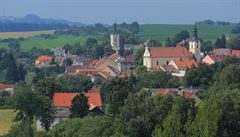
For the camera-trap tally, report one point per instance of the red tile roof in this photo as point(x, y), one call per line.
point(217, 58)
point(95, 71)
point(169, 52)
point(185, 63)
point(236, 52)
point(44, 58)
point(130, 58)
point(65, 99)
point(163, 91)
point(5, 86)
point(167, 68)
point(222, 51)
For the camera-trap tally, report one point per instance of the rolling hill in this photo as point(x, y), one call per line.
point(161, 32)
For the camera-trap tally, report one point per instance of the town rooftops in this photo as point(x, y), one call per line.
point(185, 63)
point(236, 52)
point(130, 58)
point(211, 59)
point(103, 73)
point(44, 58)
point(65, 99)
point(169, 52)
point(6, 86)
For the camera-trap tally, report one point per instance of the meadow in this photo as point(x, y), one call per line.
point(161, 32)
point(6, 120)
point(39, 42)
point(5, 35)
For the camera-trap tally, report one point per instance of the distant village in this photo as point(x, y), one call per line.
point(172, 60)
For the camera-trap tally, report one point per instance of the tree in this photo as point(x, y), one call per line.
point(220, 42)
point(67, 62)
point(79, 107)
point(98, 126)
point(30, 104)
point(114, 92)
point(175, 122)
point(47, 86)
point(236, 29)
point(207, 46)
point(183, 35)
point(192, 78)
point(173, 83)
point(218, 115)
point(234, 43)
point(77, 83)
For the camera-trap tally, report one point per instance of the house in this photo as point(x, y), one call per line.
point(43, 61)
point(222, 52)
point(181, 66)
point(7, 87)
point(126, 64)
point(188, 93)
point(156, 56)
point(107, 61)
point(226, 52)
point(63, 101)
point(212, 59)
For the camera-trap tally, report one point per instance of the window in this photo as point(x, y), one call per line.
point(157, 63)
point(167, 62)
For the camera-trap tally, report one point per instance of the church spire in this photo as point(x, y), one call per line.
point(195, 31)
point(115, 27)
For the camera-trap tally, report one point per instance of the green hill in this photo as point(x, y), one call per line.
point(161, 32)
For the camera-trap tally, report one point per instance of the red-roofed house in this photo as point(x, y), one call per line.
point(43, 61)
point(126, 64)
point(156, 56)
point(63, 101)
point(7, 87)
point(181, 65)
point(211, 59)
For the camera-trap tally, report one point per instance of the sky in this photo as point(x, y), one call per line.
point(143, 11)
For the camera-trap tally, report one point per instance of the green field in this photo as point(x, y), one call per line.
point(6, 120)
point(161, 32)
point(5, 35)
point(60, 41)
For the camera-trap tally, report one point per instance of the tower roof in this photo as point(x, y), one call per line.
point(195, 37)
point(114, 28)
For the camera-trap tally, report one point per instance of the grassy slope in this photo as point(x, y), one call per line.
point(6, 118)
point(4, 35)
point(161, 32)
point(50, 43)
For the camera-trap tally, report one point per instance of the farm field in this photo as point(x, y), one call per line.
point(161, 32)
point(6, 120)
point(60, 41)
point(5, 35)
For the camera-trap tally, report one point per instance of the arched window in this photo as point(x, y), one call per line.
point(157, 63)
point(167, 62)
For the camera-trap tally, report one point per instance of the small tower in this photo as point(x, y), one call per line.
point(115, 39)
point(195, 45)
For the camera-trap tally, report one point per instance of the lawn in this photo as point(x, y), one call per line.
point(39, 42)
point(6, 118)
point(161, 32)
point(4, 35)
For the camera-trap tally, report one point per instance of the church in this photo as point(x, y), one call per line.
point(115, 39)
point(156, 56)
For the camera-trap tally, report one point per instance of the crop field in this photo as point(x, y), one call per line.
point(6, 120)
point(39, 42)
point(5, 35)
point(161, 32)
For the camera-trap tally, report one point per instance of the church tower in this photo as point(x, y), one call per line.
point(195, 45)
point(115, 39)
